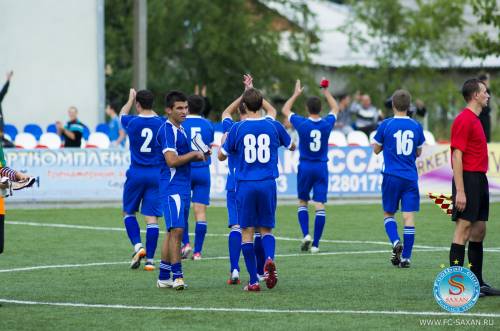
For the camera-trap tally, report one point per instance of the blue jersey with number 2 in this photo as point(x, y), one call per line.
point(141, 130)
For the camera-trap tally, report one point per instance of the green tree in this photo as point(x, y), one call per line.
point(212, 42)
point(483, 44)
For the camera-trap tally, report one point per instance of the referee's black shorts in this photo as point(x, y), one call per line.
point(477, 194)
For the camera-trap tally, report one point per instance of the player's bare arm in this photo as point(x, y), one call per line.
point(173, 160)
point(231, 109)
point(220, 155)
point(269, 108)
point(287, 108)
point(130, 102)
point(377, 148)
point(332, 103)
point(460, 199)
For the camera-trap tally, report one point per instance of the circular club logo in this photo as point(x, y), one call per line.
point(456, 289)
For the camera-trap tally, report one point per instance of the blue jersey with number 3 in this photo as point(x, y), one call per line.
point(195, 124)
point(141, 131)
point(313, 136)
point(400, 137)
point(256, 143)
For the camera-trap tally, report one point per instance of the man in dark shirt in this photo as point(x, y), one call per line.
point(73, 130)
point(485, 116)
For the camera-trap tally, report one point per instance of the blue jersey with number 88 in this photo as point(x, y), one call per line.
point(400, 137)
point(141, 130)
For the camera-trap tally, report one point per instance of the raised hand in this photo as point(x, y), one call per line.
point(298, 89)
point(131, 95)
point(248, 81)
point(9, 75)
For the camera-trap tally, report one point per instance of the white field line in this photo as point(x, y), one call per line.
point(97, 264)
point(102, 228)
point(250, 310)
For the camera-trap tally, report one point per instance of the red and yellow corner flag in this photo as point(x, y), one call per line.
point(443, 201)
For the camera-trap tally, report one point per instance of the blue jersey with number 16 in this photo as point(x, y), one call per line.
point(400, 137)
point(141, 130)
point(256, 143)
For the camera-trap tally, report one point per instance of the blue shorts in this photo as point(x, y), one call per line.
point(312, 176)
point(256, 203)
point(231, 209)
point(141, 189)
point(200, 185)
point(176, 210)
point(395, 189)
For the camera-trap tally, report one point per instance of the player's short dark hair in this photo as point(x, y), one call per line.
point(470, 87)
point(196, 104)
point(484, 77)
point(145, 98)
point(241, 108)
point(401, 100)
point(174, 96)
point(313, 105)
point(115, 106)
point(252, 99)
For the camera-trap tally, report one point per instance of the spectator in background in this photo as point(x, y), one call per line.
point(343, 123)
point(72, 132)
point(207, 105)
point(367, 115)
point(116, 133)
point(485, 115)
point(3, 92)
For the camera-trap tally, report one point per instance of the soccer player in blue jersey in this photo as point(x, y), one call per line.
point(401, 139)
point(256, 141)
point(194, 125)
point(175, 187)
point(313, 171)
point(143, 175)
point(234, 238)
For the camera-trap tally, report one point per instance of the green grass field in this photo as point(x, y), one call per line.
point(350, 286)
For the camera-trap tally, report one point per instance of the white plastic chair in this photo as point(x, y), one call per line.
point(217, 138)
point(372, 135)
point(83, 143)
point(357, 138)
point(8, 137)
point(337, 138)
point(99, 140)
point(50, 140)
point(25, 140)
point(429, 138)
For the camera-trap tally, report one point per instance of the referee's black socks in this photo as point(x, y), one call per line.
point(457, 255)
point(475, 254)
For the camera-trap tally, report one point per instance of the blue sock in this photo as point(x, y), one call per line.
point(259, 253)
point(152, 233)
point(185, 235)
point(234, 245)
point(319, 225)
point(391, 228)
point(269, 244)
point(303, 216)
point(249, 255)
point(165, 268)
point(199, 236)
point(132, 227)
point(409, 239)
point(177, 271)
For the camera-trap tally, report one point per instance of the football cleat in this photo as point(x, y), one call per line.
point(489, 291)
point(271, 274)
point(404, 264)
point(196, 257)
point(234, 279)
point(396, 254)
point(252, 287)
point(185, 250)
point(314, 249)
point(178, 284)
point(164, 283)
point(261, 278)
point(137, 257)
point(149, 266)
point(306, 243)
point(23, 183)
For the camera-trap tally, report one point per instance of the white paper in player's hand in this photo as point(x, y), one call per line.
point(199, 144)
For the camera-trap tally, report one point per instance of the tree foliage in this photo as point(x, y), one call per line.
point(482, 43)
point(212, 42)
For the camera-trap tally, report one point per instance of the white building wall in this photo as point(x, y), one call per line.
point(53, 46)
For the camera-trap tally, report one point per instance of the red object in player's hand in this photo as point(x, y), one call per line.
point(324, 83)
